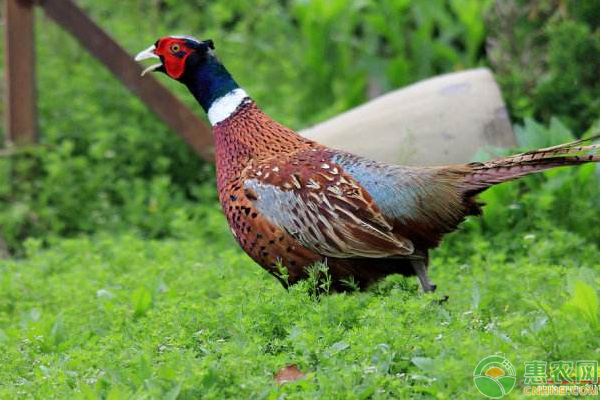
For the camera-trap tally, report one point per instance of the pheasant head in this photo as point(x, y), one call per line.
point(194, 63)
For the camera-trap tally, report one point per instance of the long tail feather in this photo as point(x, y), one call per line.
point(486, 174)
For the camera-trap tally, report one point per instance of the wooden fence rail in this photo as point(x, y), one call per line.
point(20, 75)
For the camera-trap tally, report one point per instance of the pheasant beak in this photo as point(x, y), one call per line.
point(146, 54)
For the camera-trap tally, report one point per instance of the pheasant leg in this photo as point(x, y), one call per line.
point(420, 268)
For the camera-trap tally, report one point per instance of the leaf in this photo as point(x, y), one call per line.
point(339, 346)
point(118, 392)
point(290, 373)
point(173, 393)
point(476, 300)
point(142, 301)
point(533, 135)
point(57, 333)
point(584, 301)
point(424, 363)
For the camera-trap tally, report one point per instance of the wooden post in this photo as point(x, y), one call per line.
point(161, 101)
point(21, 121)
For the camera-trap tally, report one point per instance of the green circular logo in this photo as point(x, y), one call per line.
point(494, 377)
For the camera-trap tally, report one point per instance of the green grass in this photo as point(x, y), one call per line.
point(119, 316)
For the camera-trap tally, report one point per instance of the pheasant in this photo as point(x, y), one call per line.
point(292, 202)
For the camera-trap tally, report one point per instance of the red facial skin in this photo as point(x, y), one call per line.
point(173, 53)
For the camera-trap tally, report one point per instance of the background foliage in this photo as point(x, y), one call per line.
point(545, 56)
point(108, 312)
point(107, 163)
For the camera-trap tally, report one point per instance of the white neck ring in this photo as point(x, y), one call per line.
point(223, 107)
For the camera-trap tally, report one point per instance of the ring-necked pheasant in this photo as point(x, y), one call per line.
point(292, 201)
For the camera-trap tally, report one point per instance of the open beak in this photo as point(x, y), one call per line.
point(146, 54)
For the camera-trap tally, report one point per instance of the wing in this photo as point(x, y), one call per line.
point(423, 203)
point(326, 210)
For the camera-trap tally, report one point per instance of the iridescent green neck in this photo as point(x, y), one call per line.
point(208, 81)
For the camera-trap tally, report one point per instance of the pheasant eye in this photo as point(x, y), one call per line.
point(175, 48)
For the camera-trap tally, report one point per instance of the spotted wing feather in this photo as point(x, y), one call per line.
point(423, 203)
point(323, 208)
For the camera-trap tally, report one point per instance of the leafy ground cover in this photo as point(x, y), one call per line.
point(119, 316)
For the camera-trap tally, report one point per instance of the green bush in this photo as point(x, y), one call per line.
point(545, 56)
point(58, 192)
point(567, 198)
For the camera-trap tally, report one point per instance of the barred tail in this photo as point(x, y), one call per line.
point(483, 175)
